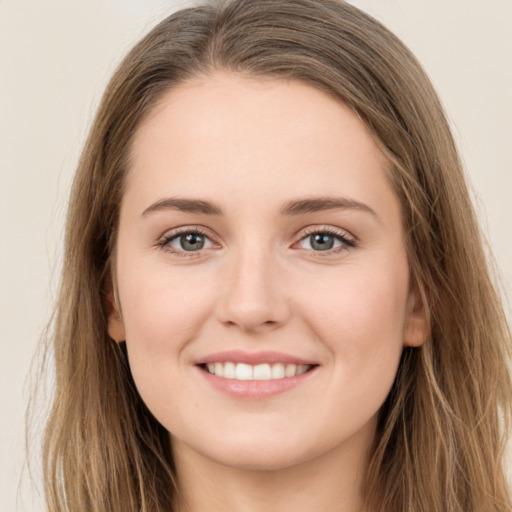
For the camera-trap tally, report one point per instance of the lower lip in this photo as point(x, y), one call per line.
point(255, 389)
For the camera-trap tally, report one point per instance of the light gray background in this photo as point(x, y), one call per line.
point(55, 58)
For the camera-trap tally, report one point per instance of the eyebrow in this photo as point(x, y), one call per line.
point(291, 208)
point(184, 205)
point(316, 204)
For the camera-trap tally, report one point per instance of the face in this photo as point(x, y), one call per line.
point(263, 282)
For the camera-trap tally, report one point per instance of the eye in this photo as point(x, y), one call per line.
point(326, 240)
point(186, 241)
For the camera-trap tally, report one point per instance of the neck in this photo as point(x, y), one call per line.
point(329, 483)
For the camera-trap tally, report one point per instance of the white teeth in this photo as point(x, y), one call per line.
point(229, 371)
point(290, 370)
point(277, 371)
point(242, 371)
point(262, 372)
point(302, 368)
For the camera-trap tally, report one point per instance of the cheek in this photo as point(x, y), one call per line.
point(161, 305)
point(361, 319)
point(163, 310)
point(358, 297)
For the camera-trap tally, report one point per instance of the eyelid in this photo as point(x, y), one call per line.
point(321, 228)
point(347, 240)
point(331, 230)
point(165, 239)
point(171, 233)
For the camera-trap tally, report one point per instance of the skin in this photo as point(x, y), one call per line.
point(258, 283)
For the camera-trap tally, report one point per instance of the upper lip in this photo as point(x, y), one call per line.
point(253, 358)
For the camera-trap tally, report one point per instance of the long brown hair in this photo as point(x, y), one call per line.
point(442, 430)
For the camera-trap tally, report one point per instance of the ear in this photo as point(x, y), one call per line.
point(115, 322)
point(417, 323)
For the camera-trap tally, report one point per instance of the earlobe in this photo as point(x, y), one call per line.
point(115, 322)
point(417, 324)
point(116, 327)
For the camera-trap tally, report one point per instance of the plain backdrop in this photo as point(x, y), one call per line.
point(55, 59)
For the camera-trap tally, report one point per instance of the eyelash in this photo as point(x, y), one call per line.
point(165, 241)
point(341, 236)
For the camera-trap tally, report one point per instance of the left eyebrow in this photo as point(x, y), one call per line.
point(316, 204)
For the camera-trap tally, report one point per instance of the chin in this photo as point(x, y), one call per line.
point(253, 452)
point(257, 460)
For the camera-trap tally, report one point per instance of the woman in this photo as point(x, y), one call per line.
point(274, 292)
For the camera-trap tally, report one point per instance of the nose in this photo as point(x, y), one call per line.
point(252, 296)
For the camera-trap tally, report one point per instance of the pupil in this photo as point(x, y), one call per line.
point(192, 242)
point(322, 242)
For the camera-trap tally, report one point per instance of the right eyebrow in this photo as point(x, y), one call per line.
point(184, 205)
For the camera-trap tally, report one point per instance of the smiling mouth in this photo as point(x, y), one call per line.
point(261, 372)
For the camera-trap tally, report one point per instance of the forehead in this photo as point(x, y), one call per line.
point(253, 106)
point(229, 134)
